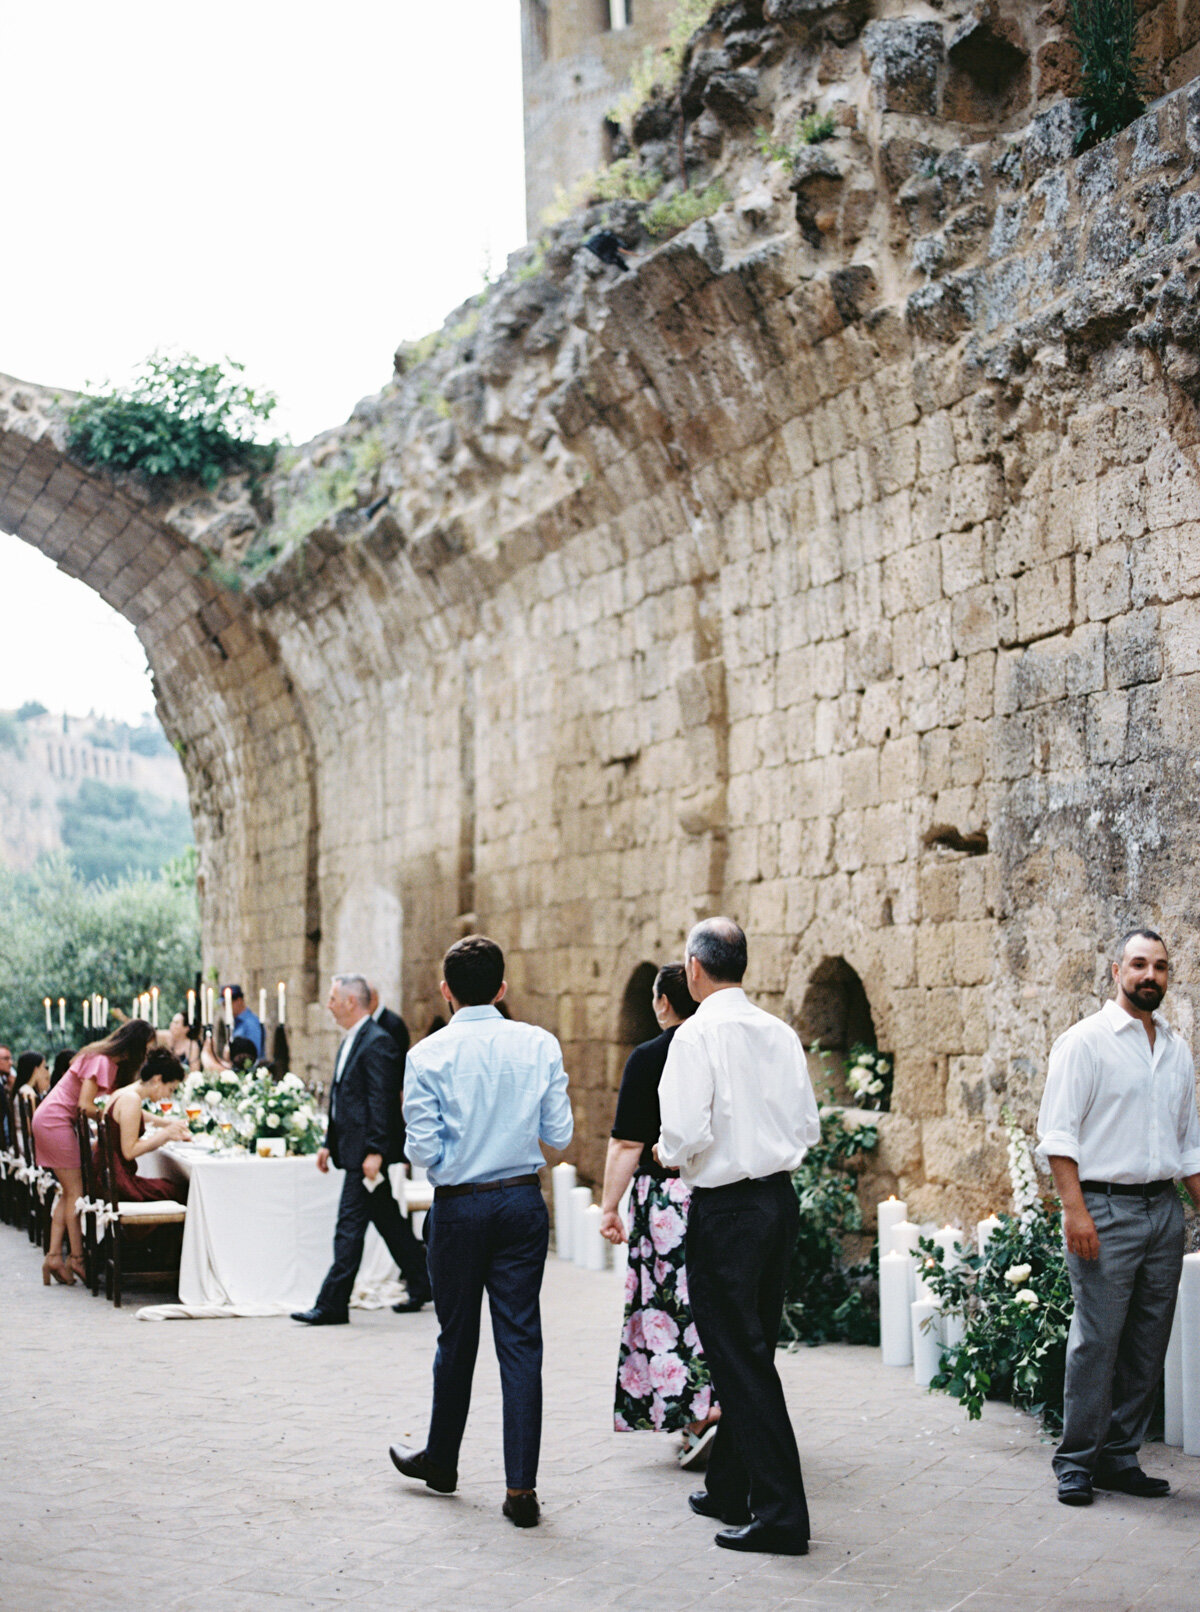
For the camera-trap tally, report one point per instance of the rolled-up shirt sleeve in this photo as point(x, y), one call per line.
point(424, 1138)
point(1189, 1132)
point(685, 1099)
point(556, 1125)
point(1069, 1085)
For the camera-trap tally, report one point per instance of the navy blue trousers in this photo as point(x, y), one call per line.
point(493, 1242)
point(358, 1209)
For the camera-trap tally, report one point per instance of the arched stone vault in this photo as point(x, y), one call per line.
point(846, 585)
point(225, 700)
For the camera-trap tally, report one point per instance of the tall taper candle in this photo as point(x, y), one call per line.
point(104, 1011)
point(228, 995)
point(191, 1008)
point(46, 1002)
point(282, 1003)
point(262, 1004)
point(62, 1013)
point(154, 1006)
point(87, 1014)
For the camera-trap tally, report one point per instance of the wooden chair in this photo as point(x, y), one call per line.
point(92, 1190)
point(41, 1207)
point(11, 1206)
point(126, 1220)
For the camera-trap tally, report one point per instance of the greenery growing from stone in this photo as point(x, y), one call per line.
point(673, 213)
point(60, 936)
point(1109, 70)
point(321, 498)
point(829, 1297)
point(658, 70)
point(111, 831)
point(810, 131)
point(623, 180)
point(178, 421)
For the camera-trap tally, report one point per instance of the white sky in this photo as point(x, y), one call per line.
point(295, 186)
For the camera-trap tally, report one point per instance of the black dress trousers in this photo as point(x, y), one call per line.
point(358, 1209)
point(740, 1240)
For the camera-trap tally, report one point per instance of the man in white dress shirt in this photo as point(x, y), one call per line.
point(1119, 1126)
point(738, 1116)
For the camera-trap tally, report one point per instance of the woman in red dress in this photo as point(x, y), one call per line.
point(101, 1067)
point(158, 1082)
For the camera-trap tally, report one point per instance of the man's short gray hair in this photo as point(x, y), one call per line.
point(719, 946)
point(354, 985)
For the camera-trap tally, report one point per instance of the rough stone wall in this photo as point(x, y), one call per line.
point(836, 567)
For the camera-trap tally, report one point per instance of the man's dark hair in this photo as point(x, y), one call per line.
point(1135, 934)
point(671, 982)
point(473, 968)
point(719, 946)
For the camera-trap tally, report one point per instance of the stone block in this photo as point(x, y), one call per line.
point(904, 59)
point(1133, 650)
point(1180, 637)
point(1104, 588)
point(975, 620)
point(1107, 724)
point(1044, 599)
point(919, 1083)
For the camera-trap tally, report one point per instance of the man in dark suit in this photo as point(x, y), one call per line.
point(365, 1134)
point(393, 1024)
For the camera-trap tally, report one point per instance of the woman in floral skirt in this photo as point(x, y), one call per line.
point(663, 1383)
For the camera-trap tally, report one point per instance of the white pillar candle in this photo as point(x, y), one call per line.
point(895, 1308)
point(926, 1341)
point(921, 1287)
point(563, 1179)
point(594, 1244)
point(580, 1202)
point(954, 1330)
point(1189, 1329)
point(948, 1240)
point(983, 1232)
point(282, 1003)
point(890, 1214)
point(1173, 1384)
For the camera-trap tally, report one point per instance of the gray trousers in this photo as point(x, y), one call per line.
point(1124, 1306)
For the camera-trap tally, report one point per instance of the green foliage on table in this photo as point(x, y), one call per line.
point(255, 1105)
point(1016, 1304)
point(113, 830)
point(830, 1299)
point(1110, 73)
point(180, 420)
point(60, 936)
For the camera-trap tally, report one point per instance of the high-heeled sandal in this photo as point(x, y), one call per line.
point(52, 1267)
point(75, 1262)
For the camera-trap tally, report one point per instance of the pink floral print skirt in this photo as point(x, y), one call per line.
point(663, 1383)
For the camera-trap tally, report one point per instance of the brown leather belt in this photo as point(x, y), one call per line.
point(485, 1186)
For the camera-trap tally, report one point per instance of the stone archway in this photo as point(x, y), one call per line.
point(835, 1015)
point(222, 693)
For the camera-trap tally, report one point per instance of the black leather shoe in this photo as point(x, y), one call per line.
point(703, 1504)
point(318, 1318)
point(1132, 1480)
point(522, 1509)
point(413, 1303)
point(762, 1536)
point(1075, 1489)
point(416, 1464)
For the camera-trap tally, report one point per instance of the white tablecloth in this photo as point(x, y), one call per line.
point(258, 1238)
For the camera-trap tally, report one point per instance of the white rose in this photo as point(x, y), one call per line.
point(875, 1087)
point(212, 1098)
point(1018, 1274)
point(883, 1066)
point(866, 1061)
point(1028, 1298)
point(272, 1122)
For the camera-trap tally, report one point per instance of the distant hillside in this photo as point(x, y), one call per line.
point(112, 796)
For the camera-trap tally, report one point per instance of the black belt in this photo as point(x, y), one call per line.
point(486, 1186)
point(1127, 1189)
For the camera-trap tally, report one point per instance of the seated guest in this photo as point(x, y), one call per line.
point(245, 1023)
point(103, 1066)
point(126, 1118)
point(62, 1062)
point(32, 1076)
point(181, 1043)
point(242, 1055)
point(6, 1079)
point(663, 1382)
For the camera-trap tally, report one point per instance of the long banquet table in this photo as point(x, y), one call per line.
point(258, 1237)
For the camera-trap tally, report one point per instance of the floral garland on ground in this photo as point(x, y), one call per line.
point(256, 1106)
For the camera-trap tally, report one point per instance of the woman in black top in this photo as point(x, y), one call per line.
point(662, 1377)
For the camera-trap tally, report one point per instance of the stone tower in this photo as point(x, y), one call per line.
point(576, 56)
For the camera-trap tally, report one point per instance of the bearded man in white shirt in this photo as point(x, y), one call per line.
point(738, 1115)
point(1118, 1124)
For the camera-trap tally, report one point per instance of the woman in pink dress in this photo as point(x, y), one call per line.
point(102, 1067)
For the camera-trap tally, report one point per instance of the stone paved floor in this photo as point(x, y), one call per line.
point(213, 1465)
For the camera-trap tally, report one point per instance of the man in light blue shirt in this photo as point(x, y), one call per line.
point(479, 1097)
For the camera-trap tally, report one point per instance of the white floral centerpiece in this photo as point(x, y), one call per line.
point(258, 1105)
point(869, 1077)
